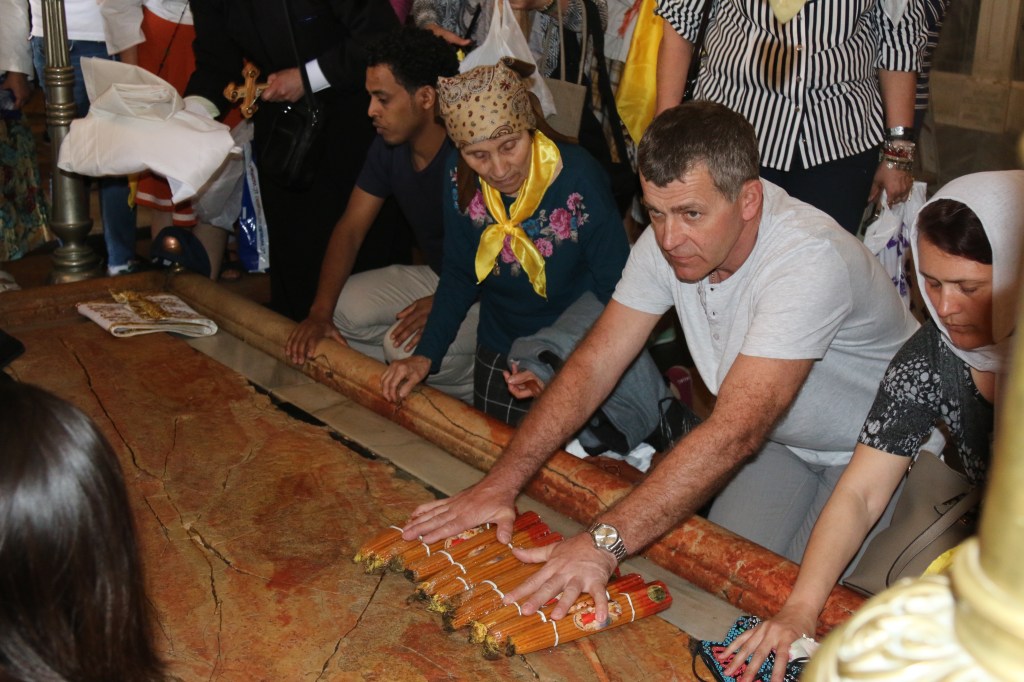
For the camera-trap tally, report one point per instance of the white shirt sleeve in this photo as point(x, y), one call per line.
point(646, 282)
point(122, 24)
point(15, 50)
point(317, 79)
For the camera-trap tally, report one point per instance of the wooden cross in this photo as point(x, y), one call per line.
point(249, 92)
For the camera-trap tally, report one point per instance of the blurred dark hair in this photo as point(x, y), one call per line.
point(700, 133)
point(72, 601)
point(955, 228)
point(415, 56)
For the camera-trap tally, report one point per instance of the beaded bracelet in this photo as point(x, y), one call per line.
point(898, 154)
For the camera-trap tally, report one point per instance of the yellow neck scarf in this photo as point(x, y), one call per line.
point(545, 162)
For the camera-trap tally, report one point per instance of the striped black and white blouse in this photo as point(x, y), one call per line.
point(810, 86)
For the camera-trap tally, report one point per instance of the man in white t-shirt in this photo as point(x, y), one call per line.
point(791, 323)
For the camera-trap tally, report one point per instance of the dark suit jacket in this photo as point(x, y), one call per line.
point(335, 32)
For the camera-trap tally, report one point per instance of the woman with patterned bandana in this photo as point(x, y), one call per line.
point(530, 225)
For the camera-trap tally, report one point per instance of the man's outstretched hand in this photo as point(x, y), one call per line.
point(472, 507)
point(574, 566)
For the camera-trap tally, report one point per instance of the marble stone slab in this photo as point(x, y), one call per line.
point(248, 518)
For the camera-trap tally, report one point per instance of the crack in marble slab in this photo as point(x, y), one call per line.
point(92, 389)
point(380, 581)
point(163, 527)
point(530, 667)
point(323, 670)
point(231, 469)
point(219, 610)
point(451, 421)
point(163, 630)
point(174, 443)
point(198, 538)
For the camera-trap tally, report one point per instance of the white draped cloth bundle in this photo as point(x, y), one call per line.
point(136, 122)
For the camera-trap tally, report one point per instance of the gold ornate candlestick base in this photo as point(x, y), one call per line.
point(909, 632)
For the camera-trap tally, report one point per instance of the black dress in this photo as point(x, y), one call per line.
point(336, 33)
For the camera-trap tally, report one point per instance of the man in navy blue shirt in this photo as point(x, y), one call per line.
point(381, 313)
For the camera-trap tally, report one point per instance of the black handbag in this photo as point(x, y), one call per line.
point(290, 150)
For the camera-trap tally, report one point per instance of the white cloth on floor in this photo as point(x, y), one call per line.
point(638, 458)
point(138, 122)
point(7, 282)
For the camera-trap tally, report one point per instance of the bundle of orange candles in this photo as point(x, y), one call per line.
point(465, 579)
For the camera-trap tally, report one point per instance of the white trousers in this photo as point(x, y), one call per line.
point(774, 500)
point(365, 315)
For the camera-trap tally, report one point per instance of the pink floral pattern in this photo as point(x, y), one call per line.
point(561, 223)
point(506, 252)
point(477, 209)
point(547, 229)
point(575, 200)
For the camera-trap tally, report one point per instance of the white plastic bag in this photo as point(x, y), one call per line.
point(219, 201)
point(505, 39)
point(253, 240)
point(887, 237)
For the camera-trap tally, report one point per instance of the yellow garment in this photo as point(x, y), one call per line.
point(545, 162)
point(942, 562)
point(637, 95)
point(785, 10)
point(133, 188)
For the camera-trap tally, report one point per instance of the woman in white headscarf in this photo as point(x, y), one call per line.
point(967, 244)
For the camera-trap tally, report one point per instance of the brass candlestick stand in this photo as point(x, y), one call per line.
point(69, 216)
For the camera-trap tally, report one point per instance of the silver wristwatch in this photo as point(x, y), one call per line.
point(607, 537)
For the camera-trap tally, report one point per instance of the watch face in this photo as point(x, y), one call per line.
point(605, 535)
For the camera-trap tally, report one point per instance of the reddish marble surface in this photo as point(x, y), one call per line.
point(248, 518)
point(743, 573)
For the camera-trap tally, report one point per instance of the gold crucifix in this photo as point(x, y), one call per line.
point(249, 92)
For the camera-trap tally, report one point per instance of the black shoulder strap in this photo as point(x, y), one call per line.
point(604, 86)
point(698, 48)
point(307, 90)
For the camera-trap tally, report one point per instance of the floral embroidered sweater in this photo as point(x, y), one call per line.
point(576, 228)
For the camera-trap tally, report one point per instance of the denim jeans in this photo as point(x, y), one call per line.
point(118, 216)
